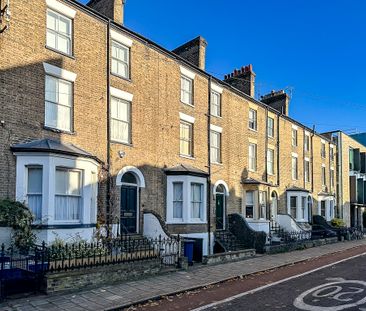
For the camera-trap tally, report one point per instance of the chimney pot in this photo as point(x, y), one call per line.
point(246, 84)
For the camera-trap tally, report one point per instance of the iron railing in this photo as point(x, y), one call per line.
point(63, 257)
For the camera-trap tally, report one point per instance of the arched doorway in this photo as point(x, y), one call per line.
point(130, 179)
point(220, 208)
point(274, 206)
point(221, 191)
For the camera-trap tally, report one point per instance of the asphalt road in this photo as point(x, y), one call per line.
point(338, 287)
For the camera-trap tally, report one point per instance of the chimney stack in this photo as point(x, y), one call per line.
point(113, 9)
point(243, 79)
point(278, 100)
point(194, 51)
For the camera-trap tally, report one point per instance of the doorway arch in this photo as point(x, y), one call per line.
point(130, 180)
point(220, 191)
point(274, 206)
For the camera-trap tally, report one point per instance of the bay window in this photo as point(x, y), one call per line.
point(67, 194)
point(293, 207)
point(34, 191)
point(196, 200)
point(178, 200)
point(249, 206)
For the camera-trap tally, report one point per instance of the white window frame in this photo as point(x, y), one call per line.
point(187, 218)
point(183, 139)
point(49, 162)
point(294, 170)
point(250, 204)
point(323, 150)
point(270, 129)
point(175, 200)
point(57, 33)
point(252, 119)
point(183, 91)
point(216, 105)
point(252, 157)
point(58, 104)
point(331, 179)
point(79, 196)
point(117, 101)
point(270, 161)
point(302, 212)
point(262, 206)
point(37, 218)
point(324, 175)
point(307, 142)
point(307, 169)
point(294, 137)
point(217, 148)
point(120, 61)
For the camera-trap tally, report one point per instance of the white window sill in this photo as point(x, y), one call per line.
point(251, 170)
point(187, 157)
point(219, 117)
point(217, 163)
point(188, 104)
point(271, 174)
point(253, 130)
point(270, 137)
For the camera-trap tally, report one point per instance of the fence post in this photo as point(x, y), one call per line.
point(179, 247)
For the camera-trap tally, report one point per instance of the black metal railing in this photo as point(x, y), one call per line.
point(63, 257)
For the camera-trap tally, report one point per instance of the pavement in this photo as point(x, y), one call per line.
point(336, 287)
point(119, 296)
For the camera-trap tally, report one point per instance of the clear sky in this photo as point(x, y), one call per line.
point(316, 49)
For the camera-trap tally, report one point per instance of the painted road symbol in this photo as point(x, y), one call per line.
point(333, 296)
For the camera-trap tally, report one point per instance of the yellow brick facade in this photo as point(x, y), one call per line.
point(155, 136)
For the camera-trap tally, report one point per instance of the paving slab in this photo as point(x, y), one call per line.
point(123, 295)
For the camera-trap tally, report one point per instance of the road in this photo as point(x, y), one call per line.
point(328, 283)
point(337, 287)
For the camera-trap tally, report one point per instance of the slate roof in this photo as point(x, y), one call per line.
point(184, 169)
point(54, 146)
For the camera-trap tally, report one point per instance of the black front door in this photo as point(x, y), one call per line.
point(220, 211)
point(128, 209)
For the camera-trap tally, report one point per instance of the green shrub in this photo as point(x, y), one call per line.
point(18, 216)
point(338, 223)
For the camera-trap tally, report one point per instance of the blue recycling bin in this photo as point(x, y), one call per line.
point(188, 250)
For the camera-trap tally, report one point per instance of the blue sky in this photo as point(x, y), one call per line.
point(315, 49)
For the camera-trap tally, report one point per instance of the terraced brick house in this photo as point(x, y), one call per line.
point(100, 125)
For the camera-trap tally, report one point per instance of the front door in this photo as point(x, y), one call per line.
point(129, 209)
point(220, 214)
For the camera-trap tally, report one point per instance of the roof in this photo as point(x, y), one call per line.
point(252, 181)
point(360, 137)
point(294, 188)
point(53, 146)
point(184, 169)
point(161, 49)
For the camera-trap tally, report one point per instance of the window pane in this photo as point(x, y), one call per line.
point(196, 200)
point(177, 200)
point(63, 118)
point(63, 44)
point(64, 93)
point(64, 26)
point(51, 39)
point(74, 183)
point(35, 180)
point(51, 114)
point(61, 182)
point(51, 89)
point(51, 20)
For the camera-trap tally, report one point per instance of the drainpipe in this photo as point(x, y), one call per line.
point(266, 148)
point(303, 160)
point(108, 197)
point(312, 159)
point(209, 166)
point(278, 149)
point(340, 175)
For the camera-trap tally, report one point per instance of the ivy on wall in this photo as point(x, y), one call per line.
point(18, 216)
